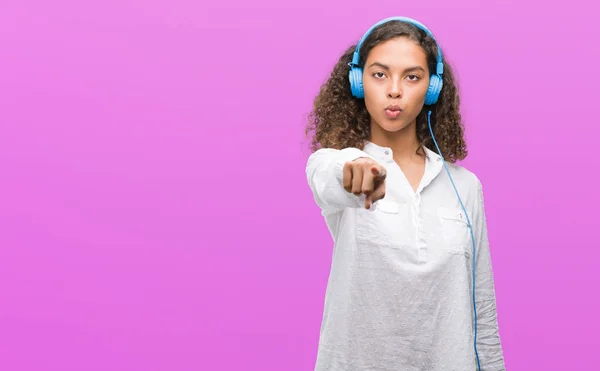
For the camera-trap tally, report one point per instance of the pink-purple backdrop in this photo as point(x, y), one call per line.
point(154, 212)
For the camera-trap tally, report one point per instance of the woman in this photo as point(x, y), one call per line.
point(411, 285)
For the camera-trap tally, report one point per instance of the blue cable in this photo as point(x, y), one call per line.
point(472, 237)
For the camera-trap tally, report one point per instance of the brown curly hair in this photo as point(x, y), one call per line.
point(339, 120)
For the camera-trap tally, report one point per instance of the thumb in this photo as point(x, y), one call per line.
point(378, 172)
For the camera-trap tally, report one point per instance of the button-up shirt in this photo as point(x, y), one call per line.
point(399, 293)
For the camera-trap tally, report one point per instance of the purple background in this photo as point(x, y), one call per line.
point(154, 212)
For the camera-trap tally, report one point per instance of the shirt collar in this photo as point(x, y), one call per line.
point(385, 153)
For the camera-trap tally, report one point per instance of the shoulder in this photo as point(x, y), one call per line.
point(465, 178)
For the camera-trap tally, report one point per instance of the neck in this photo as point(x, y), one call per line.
point(404, 142)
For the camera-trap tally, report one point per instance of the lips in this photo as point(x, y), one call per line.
point(393, 108)
point(393, 111)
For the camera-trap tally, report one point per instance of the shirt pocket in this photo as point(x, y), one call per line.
point(455, 231)
point(386, 226)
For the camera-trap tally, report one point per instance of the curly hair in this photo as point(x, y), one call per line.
point(339, 120)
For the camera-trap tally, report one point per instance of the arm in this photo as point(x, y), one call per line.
point(489, 346)
point(324, 172)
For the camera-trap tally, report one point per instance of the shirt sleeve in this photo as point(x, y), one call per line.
point(489, 346)
point(324, 172)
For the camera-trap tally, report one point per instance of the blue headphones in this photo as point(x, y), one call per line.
point(356, 73)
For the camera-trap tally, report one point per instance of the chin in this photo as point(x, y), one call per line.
point(392, 125)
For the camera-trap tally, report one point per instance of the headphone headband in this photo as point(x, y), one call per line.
point(356, 55)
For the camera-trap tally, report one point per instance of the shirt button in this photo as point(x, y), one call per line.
point(387, 152)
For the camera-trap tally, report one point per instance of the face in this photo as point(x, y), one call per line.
point(395, 81)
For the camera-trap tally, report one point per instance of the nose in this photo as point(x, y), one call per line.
point(395, 89)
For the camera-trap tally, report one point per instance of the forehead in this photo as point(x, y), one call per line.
point(400, 51)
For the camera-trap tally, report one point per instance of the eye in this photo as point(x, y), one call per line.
point(379, 75)
point(414, 77)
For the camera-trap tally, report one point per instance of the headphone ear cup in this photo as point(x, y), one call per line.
point(356, 84)
point(434, 89)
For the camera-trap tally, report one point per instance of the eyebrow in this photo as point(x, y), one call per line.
point(387, 68)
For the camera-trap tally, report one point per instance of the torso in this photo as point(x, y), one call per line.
point(383, 260)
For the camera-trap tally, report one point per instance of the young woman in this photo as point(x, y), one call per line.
point(411, 285)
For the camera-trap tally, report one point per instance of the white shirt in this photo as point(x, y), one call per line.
point(399, 292)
